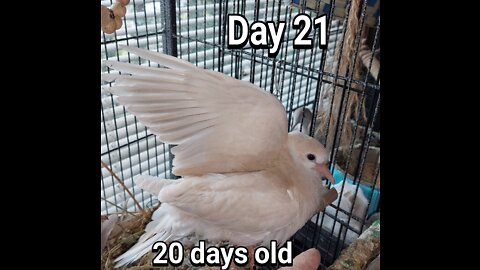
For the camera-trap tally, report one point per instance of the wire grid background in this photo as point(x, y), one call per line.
point(197, 32)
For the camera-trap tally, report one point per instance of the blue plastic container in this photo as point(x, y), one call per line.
point(366, 188)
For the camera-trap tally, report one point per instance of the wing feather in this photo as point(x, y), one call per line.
point(219, 123)
point(234, 195)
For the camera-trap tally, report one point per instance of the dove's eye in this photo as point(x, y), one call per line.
point(311, 157)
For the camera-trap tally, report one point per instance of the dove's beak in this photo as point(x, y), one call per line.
point(323, 169)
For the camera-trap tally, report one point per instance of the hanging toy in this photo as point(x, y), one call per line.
point(112, 17)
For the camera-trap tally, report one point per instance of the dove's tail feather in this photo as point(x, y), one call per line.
point(165, 225)
point(135, 253)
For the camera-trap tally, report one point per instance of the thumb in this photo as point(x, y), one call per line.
point(307, 260)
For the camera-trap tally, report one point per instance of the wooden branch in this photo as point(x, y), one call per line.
point(361, 252)
point(124, 187)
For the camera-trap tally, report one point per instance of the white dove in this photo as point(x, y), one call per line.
point(244, 177)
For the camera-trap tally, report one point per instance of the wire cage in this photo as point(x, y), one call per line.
point(338, 84)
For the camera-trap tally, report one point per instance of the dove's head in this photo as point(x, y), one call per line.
point(309, 153)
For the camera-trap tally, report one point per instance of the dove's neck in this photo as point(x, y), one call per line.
point(307, 185)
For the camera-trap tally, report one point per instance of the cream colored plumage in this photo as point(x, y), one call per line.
point(244, 178)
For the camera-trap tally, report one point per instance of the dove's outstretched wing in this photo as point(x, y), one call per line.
point(220, 124)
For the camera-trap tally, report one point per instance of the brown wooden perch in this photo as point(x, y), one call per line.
point(359, 254)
